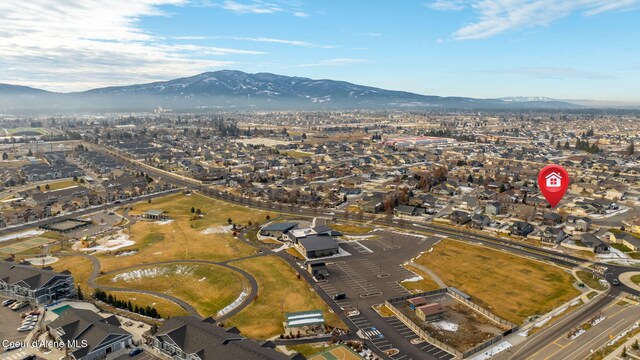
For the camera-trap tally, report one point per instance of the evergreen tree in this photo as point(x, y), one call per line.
point(631, 149)
point(567, 146)
point(80, 294)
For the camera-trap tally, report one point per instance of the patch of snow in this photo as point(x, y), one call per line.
point(493, 351)
point(413, 279)
point(164, 222)
point(217, 230)
point(155, 272)
point(577, 334)
point(127, 253)
point(203, 279)
point(445, 325)
point(21, 235)
point(233, 305)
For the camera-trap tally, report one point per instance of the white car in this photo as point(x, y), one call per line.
point(25, 328)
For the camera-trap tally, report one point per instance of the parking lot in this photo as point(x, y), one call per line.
point(9, 322)
point(369, 276)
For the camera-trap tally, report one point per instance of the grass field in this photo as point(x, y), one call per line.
point(636, 279)
point(80, 268)
point(297, 154)
point(56, 185)
point(587, 278)
point(166, 308)
point(426, 284)
point(280, 291)
point(186, 238)
point(351, 228)
point(510, 286)
point(208, 288)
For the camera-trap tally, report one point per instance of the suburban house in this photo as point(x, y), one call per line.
point(493, 208)
point(38, 285)
point(190, 338)
point(87, 335)
point(552, 235)
point(521, 228)
point(597, 246)
point(626, 239)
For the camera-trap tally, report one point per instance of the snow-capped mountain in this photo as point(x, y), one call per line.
point(228, 89)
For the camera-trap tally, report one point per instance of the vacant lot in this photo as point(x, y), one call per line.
point(510, 286)
point(166, 308)
point(426, 284)
point(208, 288)
point(208, 237)
point(280, 291)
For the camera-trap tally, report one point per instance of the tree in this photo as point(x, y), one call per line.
point(567, 145)
point(38, 188)
point(631, 148)
point(304, 136)
point(558, 146)
point(635, 345)
point(193, 210)
point(229, 221)
point(80, 294)
point(48, 187)
point(30, 153)
point(75, 179)
point(624, 352)
point(470, 179)
point(5, 156)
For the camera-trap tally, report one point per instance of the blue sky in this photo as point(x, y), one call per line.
point(571, 49)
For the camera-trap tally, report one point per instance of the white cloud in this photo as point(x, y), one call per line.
point(279, 41)
point(77, 44)
point(334, 62)
point(499, 16)
point(254, 7)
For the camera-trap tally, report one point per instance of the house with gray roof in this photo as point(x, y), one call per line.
point(189, 338)
point(87, 335)
point(30, 283)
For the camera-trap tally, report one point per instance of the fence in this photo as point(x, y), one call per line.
point(420, 332)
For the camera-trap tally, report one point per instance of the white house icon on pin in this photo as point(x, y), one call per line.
point(553, 180)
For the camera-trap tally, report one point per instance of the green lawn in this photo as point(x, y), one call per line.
point(636, 279)
point(621, 247)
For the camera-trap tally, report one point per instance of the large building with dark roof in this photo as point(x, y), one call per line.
point(189, 338)
point(87, 335)
point(26, 282)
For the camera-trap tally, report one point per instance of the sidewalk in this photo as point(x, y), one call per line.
point(615, 355)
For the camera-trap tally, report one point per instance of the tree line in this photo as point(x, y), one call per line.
point(125, 305)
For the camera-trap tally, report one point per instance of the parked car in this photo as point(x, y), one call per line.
point(8, 302)
point(12, 346)
point(25, 328)
point(339, 296)
point(19, 306)
point(135, 352)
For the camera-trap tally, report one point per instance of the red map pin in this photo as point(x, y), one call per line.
point(553, 181)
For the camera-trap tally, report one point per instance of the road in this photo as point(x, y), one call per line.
point(552, 343)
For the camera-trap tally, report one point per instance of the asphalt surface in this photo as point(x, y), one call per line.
point(551, 341)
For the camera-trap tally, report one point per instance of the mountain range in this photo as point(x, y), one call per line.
point(236, 90)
